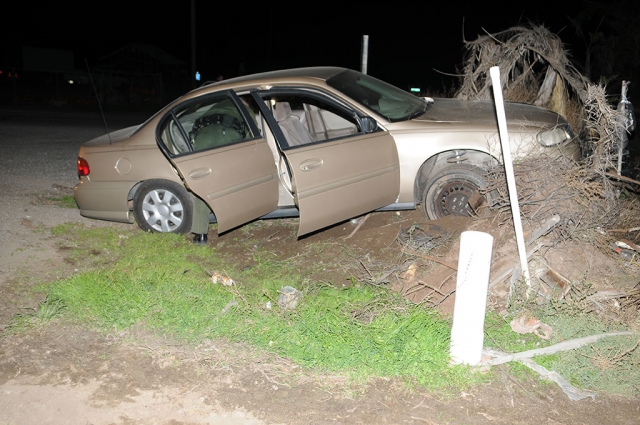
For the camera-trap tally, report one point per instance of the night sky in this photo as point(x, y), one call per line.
point(409, 41)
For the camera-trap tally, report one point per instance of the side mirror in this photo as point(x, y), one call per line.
point(369, 125)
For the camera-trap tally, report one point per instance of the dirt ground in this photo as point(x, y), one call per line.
point(66, 374)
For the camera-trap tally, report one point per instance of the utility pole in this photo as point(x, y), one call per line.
point(193, 44)
point(364, 53)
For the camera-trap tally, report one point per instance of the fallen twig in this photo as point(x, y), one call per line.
point(572, 392)
point(633, 229)
point(563, 346)
point(430, 257)
point(622, 178)
point(543, 230)
point(513, 269)
point(360, 223)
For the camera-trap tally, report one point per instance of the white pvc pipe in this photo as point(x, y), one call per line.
point(474, 266)
point(508, 167)
point(364, 54)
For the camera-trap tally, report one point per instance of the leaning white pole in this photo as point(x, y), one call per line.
point(508, 167)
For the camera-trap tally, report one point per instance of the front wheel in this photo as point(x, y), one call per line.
point(163, 206)
point(452, 189)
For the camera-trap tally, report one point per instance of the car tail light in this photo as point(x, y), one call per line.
point(83, 167)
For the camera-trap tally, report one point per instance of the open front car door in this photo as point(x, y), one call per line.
point(340, 164)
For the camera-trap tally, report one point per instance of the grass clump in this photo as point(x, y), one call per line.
point(164, 283)
point(66, 201)
point(45, 312)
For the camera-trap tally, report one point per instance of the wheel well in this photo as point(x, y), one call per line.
point(132, 194)
point(135, 187)
point(439, 161)
point(133, 191)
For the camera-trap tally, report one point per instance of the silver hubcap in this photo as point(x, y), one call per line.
point(162, 210)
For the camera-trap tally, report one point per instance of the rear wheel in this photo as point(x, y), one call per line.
point(163, 206)
point(453, 189)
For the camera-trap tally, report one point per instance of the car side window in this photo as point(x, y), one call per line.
point(306, 119)
point(204, 124)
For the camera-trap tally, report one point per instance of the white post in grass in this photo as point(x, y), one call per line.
point(472, 285)
point(508, 166)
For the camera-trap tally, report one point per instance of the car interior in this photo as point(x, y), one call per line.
point(303, 120)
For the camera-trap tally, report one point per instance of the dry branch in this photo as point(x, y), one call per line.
point(524, 54)
point(430, 257)
point(552, 349)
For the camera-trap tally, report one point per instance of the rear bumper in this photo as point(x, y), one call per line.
point(104, 200)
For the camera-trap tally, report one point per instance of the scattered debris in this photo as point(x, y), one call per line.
point(289, 298)
point(624, 250)
point(360, 223)
point(409, 274)
point(421, 237)
point(627, 244)
point(224, 280)
point(527, 325)
point(228, 307)
point(556, 282)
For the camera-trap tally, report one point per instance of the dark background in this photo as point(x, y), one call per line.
point(411, 43)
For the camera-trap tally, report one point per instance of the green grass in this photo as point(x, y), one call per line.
point(499, 336)
point(46, 311)
point(163, 283)
point(610, 365)
point(67, 201)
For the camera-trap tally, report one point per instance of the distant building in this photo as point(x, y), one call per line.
point(140, 73)
point(135, 75)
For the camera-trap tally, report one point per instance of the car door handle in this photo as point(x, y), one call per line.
point(199, 173)
point(311, 164)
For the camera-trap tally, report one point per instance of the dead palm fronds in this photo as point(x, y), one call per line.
point(529, 57)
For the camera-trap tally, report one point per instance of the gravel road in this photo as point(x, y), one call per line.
point(38, 155)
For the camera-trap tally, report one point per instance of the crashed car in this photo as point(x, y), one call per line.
point(326, 144)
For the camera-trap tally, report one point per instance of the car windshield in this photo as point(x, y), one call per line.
point(380, 97)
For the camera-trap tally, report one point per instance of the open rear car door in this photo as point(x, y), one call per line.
point(215, 145)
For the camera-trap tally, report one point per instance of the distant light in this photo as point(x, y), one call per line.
point(415, 89)
point(70, 81)
point(197, 76)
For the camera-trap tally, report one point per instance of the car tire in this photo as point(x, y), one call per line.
point(163, 206)
point(448, 192)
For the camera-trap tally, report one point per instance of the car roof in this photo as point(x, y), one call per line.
point(318, 72)
point(310, 75)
